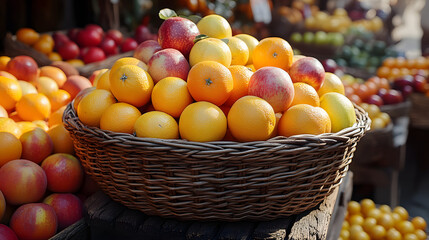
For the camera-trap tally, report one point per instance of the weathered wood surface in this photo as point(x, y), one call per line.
point(77, 231)
point(110, 220)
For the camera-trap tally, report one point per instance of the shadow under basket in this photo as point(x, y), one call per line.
point(222, 180)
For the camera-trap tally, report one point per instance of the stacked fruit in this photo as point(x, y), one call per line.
point(398, 67)
point(203, 91)
point(38, 173)
point(320, 38)
point(364, 221)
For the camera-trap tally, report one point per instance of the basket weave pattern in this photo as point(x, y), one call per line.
point(222, 180)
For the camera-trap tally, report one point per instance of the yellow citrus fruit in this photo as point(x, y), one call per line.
point(46, 85)
point(239, 50)
point(385, 208)
point(305, 94)
point(356, 219)
point(366, 205)
point(251, 67)
point(156, 124)
point(26, 126)
point(202, 122)
point(332, 83)
point(304, 119)
point(340, 109)
point(76, 63)
point(297, 57)
point(61, 139)
point(274, 52)
point(3, 112)
point(131, 84)
point(119, 117)
point(214, 26)
point(171, 95)
point(419, 223)
point(3, 62)
point(374, 213)
point(103, 81)
point(251, 43)
point(41, 124)
point(127, 61)
point(10, 93)
point(99, 74)
point(58, 99)
point(54, 56)
point(27, 35)
point(27, 87)
point(405, 227)
point(251, 119)
point(92, 106)
point(386, 220)
point(10, 148)
point(210, 49)
point(56, 117)
point(241, 78)
point(10, 126)
point(34, 106)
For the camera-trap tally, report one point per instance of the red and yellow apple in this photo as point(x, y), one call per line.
point(168, 63)
point(36, 145)
point(6, 233)
point(75, 84)
point(308, 70)
point(178, 33)
point(68, 207)
point(23, 68)
point(22, 181)
point(146, 49)
point(80, 95)
point(8, 75)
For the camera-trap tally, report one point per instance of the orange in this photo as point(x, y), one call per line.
point(389, 62)
point(10, 126)
point(45, 44)
point(202, 122)
point(419, 223)
point(10, 93)
point(14, 116)
point(3, 112)
point(58, 99)
point(305, 94)
point(92, 106)
point(251, 119)
point(273, 51)
point(304, 119)
point(3, 62)
point(54, 73)
point(26, 126)
point(54, 56)
point(46, 85)
point(34, 106)
point(332, 83)
point(251, 67)
point(210, 49)
point(214, 26)
point(27, 87)
point(171, 95)
point(239, 50)
point(41, 124)
point(102, 81)
point(127, 61)
point(56, 117)
point(98, 74)
point(76, 62)
point(241, 77)
point(131, 84)
point(61, 139)
point(119, 117)
point(27, 36)
point(210, 81)
point(156, 124)
point(10, 148)
point(251, 43)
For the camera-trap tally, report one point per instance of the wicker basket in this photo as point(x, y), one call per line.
point(419, 114)
point(221, 180)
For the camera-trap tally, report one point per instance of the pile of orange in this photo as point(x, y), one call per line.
point(392, 68)
point(213, 102)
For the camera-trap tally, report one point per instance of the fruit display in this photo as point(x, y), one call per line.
point(366, 220)
point(393, 67)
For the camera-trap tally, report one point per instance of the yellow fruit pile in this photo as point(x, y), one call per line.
point(213, 102)
point(365, 221)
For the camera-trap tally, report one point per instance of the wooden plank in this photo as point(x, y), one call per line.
point(202, 230)
point(236, 231)
point(174, 229)
point(105, 218)
point(94, 203)
point(273, 230)
point(129, 221)
point(77, 231)
point(151, 228)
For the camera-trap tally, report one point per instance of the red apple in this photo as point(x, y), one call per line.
point(34, 221)
point(108, 45)
point(178, 33)
point(80, 95)
point(2, 205)
point(6, 233)
point(168, 63)
point(401, 82)
point(382, 92)
point(129, 44)
point(72, 34)
point(93, 75)
point(36, 145)
point(93, 54)
point(69, 50)
point(75, 84)
point(419, 84)
point(59, 39)
point(67, 206)
point(392, 96)
point(142, 34)
point(89, 37)
point(22, 181)
point(308, 70)
point(406, 91)
point(64, 173)
point(330, 65)
point(273, 85)
point(146, 50)
point(23, 68)
point(116, 35)
point(374, 99)
point(96, 28)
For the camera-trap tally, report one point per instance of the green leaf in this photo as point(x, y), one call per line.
point(200, 37)
point(167, 13)
point(193, 18)
point(225, 40)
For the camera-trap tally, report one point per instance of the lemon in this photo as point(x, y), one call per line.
point(239, 50)
point(251, 43)
point(214, 26)
point(340, 110)
point(156, 124)
point(210, 49)
point(332, 83)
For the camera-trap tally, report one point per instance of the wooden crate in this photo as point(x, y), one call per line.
point(77, 231)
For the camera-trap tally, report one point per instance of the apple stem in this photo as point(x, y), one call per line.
point(208, 81)
point(124, 77)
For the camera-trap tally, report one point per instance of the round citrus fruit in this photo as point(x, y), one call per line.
point(202, 122)
point(27, 36)
point(10, 92)
point(274, 52)
point(239, 50)
point(119, 117)
point(54, 73)
point(340, 109)
point(3, 62)
point(304, 119)
point(27, 87)
point(171, 95)
point(26, 126)
point(41, 124)
point(44, 45)
point(210, 49)
point(92, 106)
point(34, 106)
point(102, 80)
point(131, 84)
point(251, 119)
point(56, 117)
point(241, 78)
point(156, 124)
point(61, 139)
point(97, 76)
point(332, 83)
point(214, 26)
point(127, 61)
point(10, 147)
point(54, 56)
point(419, 223)
point(46, 85)
point(210, 81)
point(305, 94)
point(10, 126)
point(58, 99)
point(251, 43)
